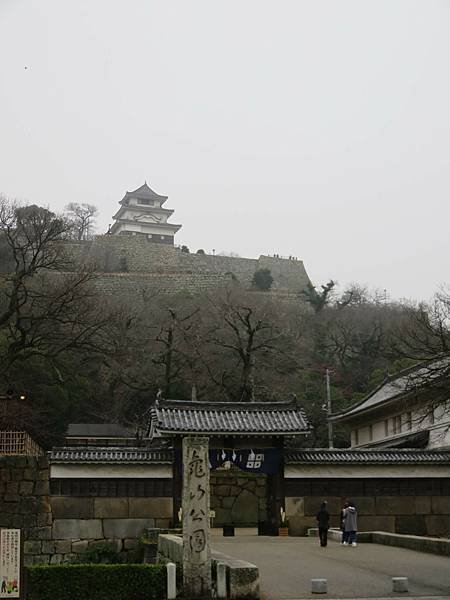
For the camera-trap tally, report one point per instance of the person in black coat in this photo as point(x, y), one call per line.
point(323, 521)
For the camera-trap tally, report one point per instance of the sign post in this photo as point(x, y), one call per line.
point(10, 562)
point(196, 541)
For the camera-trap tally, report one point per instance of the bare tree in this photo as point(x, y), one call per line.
point(47, 306)
point(241, 347)
point(82, 218)
point(354, 295)
point(174, 357)
point(425, 339)
point(426, 335)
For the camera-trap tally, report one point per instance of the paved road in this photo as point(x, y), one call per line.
point(288, 564)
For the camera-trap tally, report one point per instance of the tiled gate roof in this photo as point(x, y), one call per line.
point(175, 417)
point(110, 455)
point(324, 456)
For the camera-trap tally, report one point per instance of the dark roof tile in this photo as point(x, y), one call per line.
point(219, 418)
point(146, 192)
point(324, 456)
point(101, 455)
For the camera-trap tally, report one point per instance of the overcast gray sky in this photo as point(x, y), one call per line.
point(314, 128)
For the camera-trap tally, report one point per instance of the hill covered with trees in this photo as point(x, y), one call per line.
point(69, 352)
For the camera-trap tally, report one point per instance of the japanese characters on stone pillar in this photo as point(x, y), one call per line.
point(196, 543)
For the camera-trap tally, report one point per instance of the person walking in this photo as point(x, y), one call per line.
point(344, 537)
point(350, 524)
point(323, 521)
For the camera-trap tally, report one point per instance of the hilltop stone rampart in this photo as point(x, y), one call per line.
point(128, 263)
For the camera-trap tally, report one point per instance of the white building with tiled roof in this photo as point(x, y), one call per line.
point(408, 410)
point(141, 212)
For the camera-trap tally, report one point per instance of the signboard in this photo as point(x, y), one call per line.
point(10, 563)
point(262, 460)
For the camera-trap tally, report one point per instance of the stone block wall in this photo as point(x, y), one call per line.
point(134, 263)
point(416, 512)
point(238, 498)
point(59, 529)
point(81, 523)
point(24, 493)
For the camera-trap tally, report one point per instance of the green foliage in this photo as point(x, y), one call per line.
point(232, 276)
point(318, 300)
point(262, 279)
point(185, 249)
point(311, 393)
point(97, 582)
point(101, 553)
point(200, 251)
point(52, 400)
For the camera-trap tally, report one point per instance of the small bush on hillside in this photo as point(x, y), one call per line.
point(101, 552)
point(262, 279)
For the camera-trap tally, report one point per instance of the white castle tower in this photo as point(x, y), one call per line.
point(141, 213)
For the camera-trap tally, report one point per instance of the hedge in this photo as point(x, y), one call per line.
point(97, 582)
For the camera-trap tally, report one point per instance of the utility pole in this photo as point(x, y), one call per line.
point(330, 425)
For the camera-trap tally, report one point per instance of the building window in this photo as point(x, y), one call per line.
point(113, 488)
point(162, 237)
point(149, 235)
point(408, 421)
point(397, 424)
point(145, 202)
point(370, 433)
point(356, 437)
point(386, 427)
point(432, 416)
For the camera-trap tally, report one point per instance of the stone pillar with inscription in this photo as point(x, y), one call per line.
point(196, 541)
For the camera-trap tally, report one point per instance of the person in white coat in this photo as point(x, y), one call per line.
point(350, 524)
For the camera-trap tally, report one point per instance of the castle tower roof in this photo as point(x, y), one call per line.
point(145, 192)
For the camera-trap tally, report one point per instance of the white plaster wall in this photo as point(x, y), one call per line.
point(420, 420)
point(378, 430)
point(144, 216)
point(110, 471)
point(364, 435)
point(154, 216)
point(140, 227)
point(440, 436)
point(366, 471)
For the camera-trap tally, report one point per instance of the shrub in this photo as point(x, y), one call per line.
point(101, 552)
point(97, 582)
point(200, 251)
point(185, 249)
point(262, 279)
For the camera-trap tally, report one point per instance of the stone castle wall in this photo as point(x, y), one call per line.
point(130, 263)
point(59, 529)
point(24, 494)
point(408, 506)
point(238, 498)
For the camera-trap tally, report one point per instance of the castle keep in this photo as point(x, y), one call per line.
point(139, 253)
point(141, 213)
